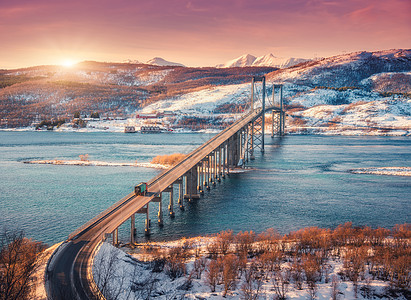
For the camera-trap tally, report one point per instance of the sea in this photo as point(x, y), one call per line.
point(299, 181)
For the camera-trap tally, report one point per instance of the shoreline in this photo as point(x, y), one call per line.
point(292, 131)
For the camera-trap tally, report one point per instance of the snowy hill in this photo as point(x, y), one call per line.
point(158, 61)
point(268, 60)
point(245, 60)
point(345, 70)
point(278, 62)
point(356, 93)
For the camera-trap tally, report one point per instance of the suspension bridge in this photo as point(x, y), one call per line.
point(69, 270)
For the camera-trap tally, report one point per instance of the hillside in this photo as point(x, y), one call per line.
point(111, 89)
point(355, 93)
point(366, 92)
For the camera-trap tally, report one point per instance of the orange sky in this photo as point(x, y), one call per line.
point(195, 32)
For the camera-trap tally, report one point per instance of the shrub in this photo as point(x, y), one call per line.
point(169, 160)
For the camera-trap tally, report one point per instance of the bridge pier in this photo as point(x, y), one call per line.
point(191, 184)
point(223, 161)
point(200, 188)
point(180, 193)
point(171, 205)
point(145, 210)
point(215, 176)
point(219, 164)
point(115, 237)
point(132, 229)
point(210, 170)
point(158, 199)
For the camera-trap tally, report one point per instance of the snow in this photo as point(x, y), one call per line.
point(393, 171)
point(133, 274)
point(94, 163)
point(202, 102)
point(158, 61)
point(268, 60)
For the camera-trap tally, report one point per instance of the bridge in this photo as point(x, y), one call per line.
point(69, 270)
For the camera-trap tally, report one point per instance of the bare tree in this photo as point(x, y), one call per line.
point(105, 270)
point(175, 266)
point(213, 273)
point(224, 240)
point(281, 281)
point(230, 269)
point(354, 260)
point(244, 241)
point(19, 260)
point(199, 266)
point(334, 288)
point(251, 288)
point(312, 271)
point(297, 272)
point(109, 278)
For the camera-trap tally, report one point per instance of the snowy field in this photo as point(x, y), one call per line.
point(133, 278)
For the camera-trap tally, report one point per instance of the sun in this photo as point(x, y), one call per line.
point(68, 63)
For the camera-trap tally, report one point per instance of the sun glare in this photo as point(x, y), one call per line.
point(68, 63)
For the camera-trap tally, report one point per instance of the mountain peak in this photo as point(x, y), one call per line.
point(268, 60)
point(242, 61)
point(158, 61)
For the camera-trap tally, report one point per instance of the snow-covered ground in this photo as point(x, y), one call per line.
point(204, 102)
point(95, 163)
point(131, 277)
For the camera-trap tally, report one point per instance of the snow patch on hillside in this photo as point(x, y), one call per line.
point(202, 102)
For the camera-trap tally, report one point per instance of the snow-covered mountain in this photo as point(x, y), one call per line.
point(158, 61)
point(347, 69)
point(365, 93)
point(268, 60)
point(278, 62)
point(356, 93)
point(245, 60)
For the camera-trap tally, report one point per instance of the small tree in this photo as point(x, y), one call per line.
point(312, 270)
point(251, 288)
point(334, 287)
point(199, 266)
point(281, 281)
point(230, 268)
point(175, 266)
point(212, 274)
point(354, 260)
point(19, 260)
point(224, 240)
point(297, 272)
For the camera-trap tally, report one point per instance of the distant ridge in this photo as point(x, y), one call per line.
point(158, 61)
point(268, 60)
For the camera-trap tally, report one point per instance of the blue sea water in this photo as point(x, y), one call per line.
point(300, 181)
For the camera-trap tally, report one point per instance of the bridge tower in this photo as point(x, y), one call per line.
point(256, 129)
point(278, 114)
